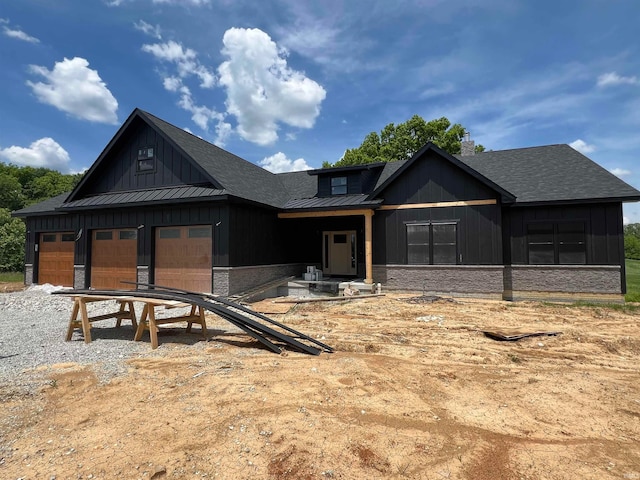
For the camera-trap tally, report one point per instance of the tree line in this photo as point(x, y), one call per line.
point(21, 187)
point(632, 241)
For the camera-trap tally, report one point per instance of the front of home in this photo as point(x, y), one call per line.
point(160, 205)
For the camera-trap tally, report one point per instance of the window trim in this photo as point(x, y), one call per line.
point(431, 244)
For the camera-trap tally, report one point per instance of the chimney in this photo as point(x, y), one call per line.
point(467, 146)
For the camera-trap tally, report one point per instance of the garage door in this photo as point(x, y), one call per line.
point(55, 258)
point(114, 258)
point(183, 257)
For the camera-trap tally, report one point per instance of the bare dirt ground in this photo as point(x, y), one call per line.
point(413, 391)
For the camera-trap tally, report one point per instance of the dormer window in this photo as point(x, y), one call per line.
point(146, 159)
point(338, 185)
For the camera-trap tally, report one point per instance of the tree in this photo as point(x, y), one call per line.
point(402, 141)
point(632, 241)
point(11, 196)
point(12, 235)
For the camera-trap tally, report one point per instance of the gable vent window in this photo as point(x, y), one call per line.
point(557, 243)
point(338, 185)
point(146, 159)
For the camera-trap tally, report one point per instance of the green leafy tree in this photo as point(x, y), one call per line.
point(12, 236)
point(49, 185)
point(632, 241)
point(402, 141)
point(11, 196)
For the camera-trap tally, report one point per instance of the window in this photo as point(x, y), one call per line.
point(67, 237)
point(170, 233)
point(128, 234)
point(200, 232)
point(432, 244)
point(146, 159)
point(104, 235)
point(49, 237)
point(338, 185)
point(557, 243)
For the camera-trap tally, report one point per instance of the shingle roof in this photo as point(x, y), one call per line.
point(237, 176)
point(46, 206)
point(299, 184)
point(550, 173)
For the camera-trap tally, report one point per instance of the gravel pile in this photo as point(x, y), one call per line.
point(33, 326)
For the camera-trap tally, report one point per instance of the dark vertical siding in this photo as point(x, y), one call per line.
point(256, 238)
point(603, 224)
point(479, 233)
point(118, 171)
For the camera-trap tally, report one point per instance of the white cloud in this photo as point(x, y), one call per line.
point(148, 29)
point(75, 88)
point(279, 163)
point(625, 221)
point(262, 90)
point(202, 116)
point(582, 146)
point(620, 172)
point(612, 79)
point(185, 59)
point(19, 34)
point(45, 152)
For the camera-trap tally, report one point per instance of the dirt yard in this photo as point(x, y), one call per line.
point(413, 391)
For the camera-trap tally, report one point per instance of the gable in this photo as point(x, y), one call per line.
point(118, 169)
point(432, 178)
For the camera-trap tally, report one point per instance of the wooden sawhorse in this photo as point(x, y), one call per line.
point(126, 312)
point(148, 320)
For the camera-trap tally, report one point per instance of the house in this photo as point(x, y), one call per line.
point(161, 205)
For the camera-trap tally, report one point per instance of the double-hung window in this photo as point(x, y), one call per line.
point(432, 243)
point(556, 243)
point(338, 185)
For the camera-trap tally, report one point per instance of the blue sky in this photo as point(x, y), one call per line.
point(288, 84)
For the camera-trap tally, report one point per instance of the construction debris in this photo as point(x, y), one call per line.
point(242, 317)
point(513, 336)
point(428, 299)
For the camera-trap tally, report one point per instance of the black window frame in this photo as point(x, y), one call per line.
point(338, 187)
point(560, 243)
point(430, 245)
point(146, 155)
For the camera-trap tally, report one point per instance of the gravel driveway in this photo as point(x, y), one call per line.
point(33, 326)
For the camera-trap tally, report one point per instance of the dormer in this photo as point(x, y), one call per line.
point(352, 180)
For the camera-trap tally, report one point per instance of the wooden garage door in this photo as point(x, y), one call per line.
point(55, 258)
point(114, 258)
point(183, 257)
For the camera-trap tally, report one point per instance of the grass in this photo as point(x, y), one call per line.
point(633, 280)
point(11, 277)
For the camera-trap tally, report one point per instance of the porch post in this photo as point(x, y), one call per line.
point(368, 246)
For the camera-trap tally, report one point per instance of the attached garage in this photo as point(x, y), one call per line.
point(55, 258)
point(114, 258)
point(183, 257)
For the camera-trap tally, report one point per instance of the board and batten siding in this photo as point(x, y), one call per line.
point(603, 227)
point(118, 172)
point(433, 179)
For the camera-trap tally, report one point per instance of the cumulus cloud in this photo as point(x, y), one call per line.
point(279, 163)
point(582, 146)
point(45, 152)
point(612, 79)
point(148, 29)
point(620, 172)
point(626, 221)
point(75, 88)
point(261, 88)
point(202, 116)
point(185, 60)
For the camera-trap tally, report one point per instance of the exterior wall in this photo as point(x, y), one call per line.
point(232, 280)
point(28, 274)
point(119, 171)
point(143, 275)
point(79, 277)
point(471, 280)
point(573, 279)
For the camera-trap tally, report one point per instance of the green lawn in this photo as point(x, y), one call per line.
point(633, 281)
point(11, 277)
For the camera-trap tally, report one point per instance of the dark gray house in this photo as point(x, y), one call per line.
point(165, 206)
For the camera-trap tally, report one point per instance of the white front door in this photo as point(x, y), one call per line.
point(339, 252)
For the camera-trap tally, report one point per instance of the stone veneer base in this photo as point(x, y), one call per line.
point(232, 280)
